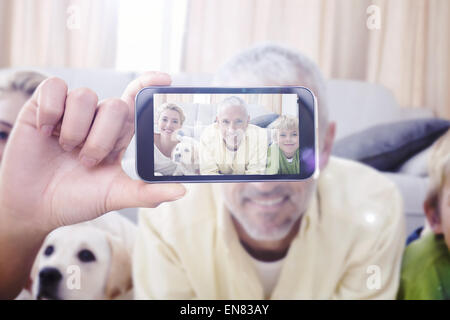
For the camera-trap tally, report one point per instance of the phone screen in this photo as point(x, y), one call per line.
point(245, 134)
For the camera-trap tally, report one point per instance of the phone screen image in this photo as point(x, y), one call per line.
point(243, 134)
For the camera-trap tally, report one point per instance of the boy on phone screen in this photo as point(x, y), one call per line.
point(283, 154)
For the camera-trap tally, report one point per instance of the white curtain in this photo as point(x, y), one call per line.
point(134, 35)
point(75, 33)
point(409, 53)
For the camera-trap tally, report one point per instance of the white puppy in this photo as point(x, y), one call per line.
point(90, 260)
point(185, 154)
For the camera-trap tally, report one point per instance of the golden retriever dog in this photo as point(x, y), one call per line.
point(90, 260)
point(186, 155)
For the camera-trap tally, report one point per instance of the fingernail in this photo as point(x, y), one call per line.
point(179, 197)
point(88, 162)
point(182, 192)
point(67, 147)
point(47, 130)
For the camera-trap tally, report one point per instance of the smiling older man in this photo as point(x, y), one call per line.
point(232, 145)
point(338, 237)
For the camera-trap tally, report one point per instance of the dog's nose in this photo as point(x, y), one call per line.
point(49, 276)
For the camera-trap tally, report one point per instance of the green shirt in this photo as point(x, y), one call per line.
point(277, 162)
point(425, 270)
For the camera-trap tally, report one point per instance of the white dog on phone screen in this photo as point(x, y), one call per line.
point(90, 260)
point(186, 155)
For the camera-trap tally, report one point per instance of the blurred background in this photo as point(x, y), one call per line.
point(403, 45)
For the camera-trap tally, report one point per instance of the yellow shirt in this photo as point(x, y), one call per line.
point(249, 158)
point(349, 245)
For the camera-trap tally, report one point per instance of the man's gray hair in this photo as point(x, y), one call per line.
point(231, 102)
point(274, 65)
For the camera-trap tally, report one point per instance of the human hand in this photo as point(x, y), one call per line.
point(62, 162)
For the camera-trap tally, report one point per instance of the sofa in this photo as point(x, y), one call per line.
point(353, 105)
point(356, 106)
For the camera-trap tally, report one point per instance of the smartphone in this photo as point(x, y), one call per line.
point(226, 134)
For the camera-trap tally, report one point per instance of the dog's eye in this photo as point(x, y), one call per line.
point(86, 256)
point(49, 250)
point(4, 135)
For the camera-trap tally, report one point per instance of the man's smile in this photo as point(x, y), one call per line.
point(267, 203)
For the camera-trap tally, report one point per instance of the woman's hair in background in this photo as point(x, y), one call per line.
point(171, 106)
point(24, 82)
point(283, 122)
point(439, 166)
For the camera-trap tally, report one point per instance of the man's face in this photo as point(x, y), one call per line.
point(233, 121)
point(267, 211)
point(288, 141)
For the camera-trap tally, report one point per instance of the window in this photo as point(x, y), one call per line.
point(150, 35)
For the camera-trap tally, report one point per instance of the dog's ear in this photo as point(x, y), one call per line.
point(173, 151)
point(179, 135)
point(196, 147)
point(119, 278)
point(194, 154)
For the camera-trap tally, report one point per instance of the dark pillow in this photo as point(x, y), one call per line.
point(385, 147)
point(264, 120)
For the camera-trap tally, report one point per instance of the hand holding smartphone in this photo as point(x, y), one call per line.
point(193, 134)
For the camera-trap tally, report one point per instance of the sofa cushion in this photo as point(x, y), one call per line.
point(264, 120)
point(417, 165)
point(357, 105)
point(387, 146)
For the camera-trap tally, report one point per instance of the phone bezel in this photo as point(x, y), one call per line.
point(144, 123)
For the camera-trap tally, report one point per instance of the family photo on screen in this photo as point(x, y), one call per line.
point(254, 134)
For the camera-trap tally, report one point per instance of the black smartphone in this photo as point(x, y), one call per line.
point(225, 134)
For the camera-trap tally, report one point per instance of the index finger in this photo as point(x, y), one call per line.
point(151, 78)
point(50, 97)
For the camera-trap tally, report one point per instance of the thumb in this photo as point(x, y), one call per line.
point(128, 193)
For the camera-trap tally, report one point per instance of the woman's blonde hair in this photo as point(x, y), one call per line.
point(24, 82)
point(171, 106)
point(439, 166)
point(283, 123)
